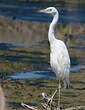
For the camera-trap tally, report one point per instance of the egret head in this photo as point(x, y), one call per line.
point(50, 10)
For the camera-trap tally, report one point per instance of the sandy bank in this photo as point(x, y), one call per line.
point(24, 32)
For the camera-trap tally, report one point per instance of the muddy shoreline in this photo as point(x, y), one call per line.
point(22, 32)
point(25, 32)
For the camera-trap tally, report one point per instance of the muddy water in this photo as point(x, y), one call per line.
point(24, 54)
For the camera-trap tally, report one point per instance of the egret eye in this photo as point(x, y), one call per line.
point(50, 9)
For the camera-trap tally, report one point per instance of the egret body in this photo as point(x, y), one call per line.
point(59, 57)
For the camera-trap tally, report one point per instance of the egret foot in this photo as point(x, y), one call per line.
point(50, 100)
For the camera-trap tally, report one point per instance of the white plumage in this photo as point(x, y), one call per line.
point(59, 61)
point(59, 57)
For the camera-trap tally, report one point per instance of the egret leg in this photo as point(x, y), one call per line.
point(59, 88)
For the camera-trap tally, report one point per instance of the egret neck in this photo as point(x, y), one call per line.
point(51, 33)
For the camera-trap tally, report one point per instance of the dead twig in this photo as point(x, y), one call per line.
point(29, 107)
point(53, 106)
point(70, 108)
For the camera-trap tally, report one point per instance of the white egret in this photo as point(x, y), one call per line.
point(59, 57)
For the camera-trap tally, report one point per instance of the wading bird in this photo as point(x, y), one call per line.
point(59, 57)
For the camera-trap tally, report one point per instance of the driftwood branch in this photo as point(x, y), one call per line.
point(71, 108)
point(53, 105)
point(29, 107)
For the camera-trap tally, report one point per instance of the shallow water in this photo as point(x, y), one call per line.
point(29, 12)
point(26, 68)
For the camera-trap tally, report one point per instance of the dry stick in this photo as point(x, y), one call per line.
point(29, 107)
point(71, 108)
point(46, 97)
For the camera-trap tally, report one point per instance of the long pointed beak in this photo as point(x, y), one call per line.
point(42, 11)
